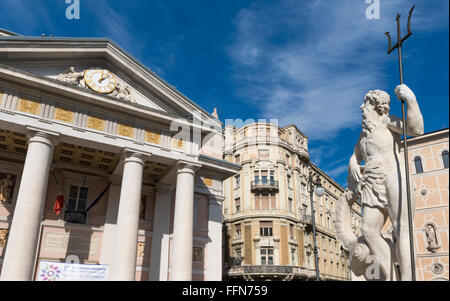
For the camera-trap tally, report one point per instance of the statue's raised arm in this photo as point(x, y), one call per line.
point(414, 118)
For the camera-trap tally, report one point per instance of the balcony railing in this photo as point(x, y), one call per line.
point(265, 185)
point(271, 270)
point(75, 217)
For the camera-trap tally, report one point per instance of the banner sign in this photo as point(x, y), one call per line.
point(58, 271)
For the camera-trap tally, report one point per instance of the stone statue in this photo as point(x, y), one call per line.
point(431, 238)
point(3, 238)
point(6, 185)
point(123, 92)
point(72, 77)
point(380, 186)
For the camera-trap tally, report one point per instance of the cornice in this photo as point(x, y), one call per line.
point(108, 50)
point(49, 86)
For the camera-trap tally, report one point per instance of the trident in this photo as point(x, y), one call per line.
point(398, 46)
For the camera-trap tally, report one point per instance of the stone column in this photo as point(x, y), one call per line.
point(20, 256)
point(123, 266)
point(183, 229)
point(214, 258)
point(109, 232)
point(159, 261)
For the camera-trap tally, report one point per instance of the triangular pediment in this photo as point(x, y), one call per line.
point(99, 67)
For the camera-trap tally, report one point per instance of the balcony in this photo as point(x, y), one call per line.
point(264, 185)
point(75, 217)
point(256, 272)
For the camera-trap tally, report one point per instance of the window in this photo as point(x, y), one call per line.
point(265, 201)
point(272, 175)
point(77, 199)
point(264, 175)
point(291, 205)
point(273, 201)
point(304, 190)
point(238, 231)
point(418, 163)
point(289, 181)
point(291, 231)
point(237, 204)
point(257, 201)
point(445, 158)
point(237, 159)
point(76, 206)
point(257, 178)
point(238, 181)
point(266, 256)
point(266, 229)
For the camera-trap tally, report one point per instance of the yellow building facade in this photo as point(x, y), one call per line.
point(267, 212)
point(428, 158)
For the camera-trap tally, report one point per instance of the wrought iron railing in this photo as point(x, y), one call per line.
point(75, 217)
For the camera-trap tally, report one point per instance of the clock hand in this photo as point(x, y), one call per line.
point(101, 77)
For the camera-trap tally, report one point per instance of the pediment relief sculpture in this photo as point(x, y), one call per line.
point(98, 80)
point(70, 76)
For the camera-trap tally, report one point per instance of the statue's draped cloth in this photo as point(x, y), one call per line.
point(372, 187)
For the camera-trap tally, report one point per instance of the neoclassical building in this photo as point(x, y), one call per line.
point(267, 212)
point(428, 157)
point(82, 119)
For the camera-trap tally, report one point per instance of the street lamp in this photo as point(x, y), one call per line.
point(319, 191)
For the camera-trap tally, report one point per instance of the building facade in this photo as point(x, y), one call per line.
point(82, 119)
point(428, 159)
point(267, 212)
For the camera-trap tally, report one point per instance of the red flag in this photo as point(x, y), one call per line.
point(59, 203)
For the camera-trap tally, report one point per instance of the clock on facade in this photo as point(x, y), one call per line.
point(100, 80)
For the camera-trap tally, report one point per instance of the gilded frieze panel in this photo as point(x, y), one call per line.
point(64, 115)
point(96, 123)
point(151, 137)
point(177, 144)
point(28, 106)
point(125, 130)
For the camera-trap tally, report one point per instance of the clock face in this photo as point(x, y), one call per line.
point(100, 80)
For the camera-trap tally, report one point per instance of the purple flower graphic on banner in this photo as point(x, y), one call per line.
point(50, 273)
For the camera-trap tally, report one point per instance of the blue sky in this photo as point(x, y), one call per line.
point(304, 62)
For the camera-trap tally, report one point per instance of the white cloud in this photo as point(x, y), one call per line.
point(311, 62)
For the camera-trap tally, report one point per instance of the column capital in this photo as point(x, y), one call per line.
point(187, 167)
point(131, 155)
point(42, 136)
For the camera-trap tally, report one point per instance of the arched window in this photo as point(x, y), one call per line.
point(445, 158)
point(418, 163)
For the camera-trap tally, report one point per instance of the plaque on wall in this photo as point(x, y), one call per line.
point(70, 243)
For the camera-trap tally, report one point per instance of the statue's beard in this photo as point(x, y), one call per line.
point(370, 119)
